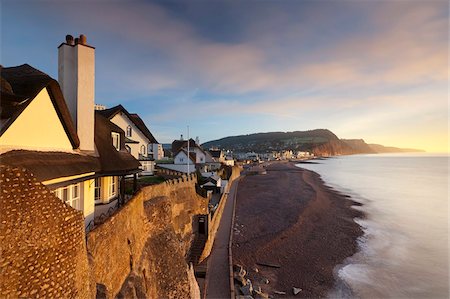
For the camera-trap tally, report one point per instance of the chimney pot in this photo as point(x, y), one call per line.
point(76, 40)
point(82, 39)
point(69, 39)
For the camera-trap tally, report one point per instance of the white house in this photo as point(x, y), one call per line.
point(180, 148)
point(139, 141)
point(51, 130)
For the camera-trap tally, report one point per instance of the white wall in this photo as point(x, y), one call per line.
point(199, 155)
point(157, 150)
point(181, 158)
point(76, 76)
point(123, 122)
point(38, 127)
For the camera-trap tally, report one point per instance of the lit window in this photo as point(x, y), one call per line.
point(142, 149)
point(97, 188)
point(116, 140)
point(129, 131)
point(112, 187)
point(70, 195)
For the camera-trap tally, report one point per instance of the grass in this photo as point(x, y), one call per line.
point(150, 180)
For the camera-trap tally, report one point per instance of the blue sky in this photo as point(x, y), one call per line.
point(376, 70)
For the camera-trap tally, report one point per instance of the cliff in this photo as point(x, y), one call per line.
point(359, 146)
point(390, 149)
point(320, 142)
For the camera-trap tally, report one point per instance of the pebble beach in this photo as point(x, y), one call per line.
point(291, 231)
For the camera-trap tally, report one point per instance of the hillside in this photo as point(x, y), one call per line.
point(390, 149)
point(320, 142)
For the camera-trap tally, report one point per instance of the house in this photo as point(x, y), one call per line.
point(180, 148)
point(217, 154)
point(139, 141)
point(51, 129)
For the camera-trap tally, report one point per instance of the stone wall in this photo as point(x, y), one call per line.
point(140, 251)
point(215, 221)
point(43, 251)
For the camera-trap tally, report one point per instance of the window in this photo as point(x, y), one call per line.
point(70, 194)
point(143, 150)
point(129, 131)
point(98, 190)
point(112, 187)
point(116, 140)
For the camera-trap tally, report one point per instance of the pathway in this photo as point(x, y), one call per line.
point(218, 273)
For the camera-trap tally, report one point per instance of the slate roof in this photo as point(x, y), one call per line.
point(19, 86)
point(138, 122)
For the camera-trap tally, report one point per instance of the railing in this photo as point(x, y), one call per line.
point(105, 215)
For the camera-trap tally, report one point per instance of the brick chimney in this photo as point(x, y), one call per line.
point(76, 76)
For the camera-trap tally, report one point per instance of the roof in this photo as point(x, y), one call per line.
point(112, 161)
point(141, 126)
point(215, 153)
point(128, 140)
point(138, 122)
point(178, 144)
point(192, 156)
point(50, 165)
point(20, 85)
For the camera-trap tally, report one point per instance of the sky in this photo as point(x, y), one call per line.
point(371, 69)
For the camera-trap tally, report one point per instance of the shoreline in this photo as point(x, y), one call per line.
point(291, 219)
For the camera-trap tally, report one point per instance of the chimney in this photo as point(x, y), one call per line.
point(76, 76)
point(181, 137)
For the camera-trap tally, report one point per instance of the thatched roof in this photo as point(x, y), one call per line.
point(138, 122)
point(179, 144)
point(50, 165)
point(112, 161)
point(20, 85)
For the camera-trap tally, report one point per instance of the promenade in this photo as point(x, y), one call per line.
point(218, 273)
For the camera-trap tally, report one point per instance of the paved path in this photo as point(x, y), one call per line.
point(218, 273)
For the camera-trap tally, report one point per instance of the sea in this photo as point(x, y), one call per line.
point(404, 252)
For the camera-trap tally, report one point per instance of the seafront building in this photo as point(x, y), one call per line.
point(139, 141)
point(51, 129)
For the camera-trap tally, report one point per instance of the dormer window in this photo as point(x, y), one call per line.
point(116, 140)
point(129, 131)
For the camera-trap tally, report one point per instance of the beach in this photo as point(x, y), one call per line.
point(290, 220)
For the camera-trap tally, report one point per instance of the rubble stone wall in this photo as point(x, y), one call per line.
point(140, 251)
point(43, 251)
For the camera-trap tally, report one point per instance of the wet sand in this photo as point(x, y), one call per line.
point(288, 217)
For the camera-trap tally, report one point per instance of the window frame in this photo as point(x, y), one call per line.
point(112, 187)
point(67, 195)
point(129, 131)
point(98, 188)
point(115, 137)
